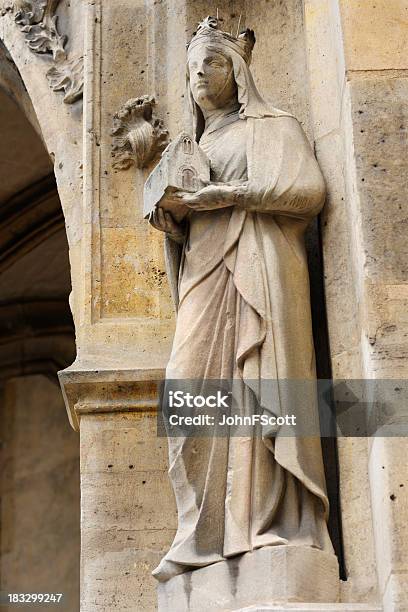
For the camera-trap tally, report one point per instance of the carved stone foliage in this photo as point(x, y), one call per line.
point(68, 76)
point(138, 134)
point(39, 24)
point(37, 20)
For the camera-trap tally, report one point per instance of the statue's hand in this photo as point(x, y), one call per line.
point(211, 197)
point(163, 221)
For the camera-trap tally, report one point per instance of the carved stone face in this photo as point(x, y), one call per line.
point(212, 79)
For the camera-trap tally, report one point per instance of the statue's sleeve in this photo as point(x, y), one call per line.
point(283, 175)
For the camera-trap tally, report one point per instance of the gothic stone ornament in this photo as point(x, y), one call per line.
point(138, 134)
point(38, 22)
point(242, 290)
point(68, 76)
point(183, 166)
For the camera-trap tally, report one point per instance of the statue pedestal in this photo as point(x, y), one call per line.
point(270, 575)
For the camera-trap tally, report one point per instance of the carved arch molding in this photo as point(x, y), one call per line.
point(38, 22)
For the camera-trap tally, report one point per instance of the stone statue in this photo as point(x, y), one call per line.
point(242, 291)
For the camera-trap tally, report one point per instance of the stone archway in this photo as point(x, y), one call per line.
point(39, 484)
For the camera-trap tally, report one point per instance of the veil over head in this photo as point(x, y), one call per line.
point(252, 104)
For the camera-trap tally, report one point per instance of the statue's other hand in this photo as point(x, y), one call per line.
point(163, 221)
point(211, 197)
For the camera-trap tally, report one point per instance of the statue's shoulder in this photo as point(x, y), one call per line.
point(278, 120)
point(279, 124)
point(279, 130)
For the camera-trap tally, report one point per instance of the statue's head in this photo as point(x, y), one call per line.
point(210, 63)
point(218, 72)
point(211, 77)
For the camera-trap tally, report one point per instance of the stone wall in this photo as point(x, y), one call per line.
point(357, 66)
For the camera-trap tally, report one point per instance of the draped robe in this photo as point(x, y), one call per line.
point(244, 313)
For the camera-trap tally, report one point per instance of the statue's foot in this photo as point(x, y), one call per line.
point(168, 569)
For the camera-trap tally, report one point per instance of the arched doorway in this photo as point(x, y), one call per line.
point(39, 453)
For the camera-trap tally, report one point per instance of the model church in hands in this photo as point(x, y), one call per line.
point(183, 167)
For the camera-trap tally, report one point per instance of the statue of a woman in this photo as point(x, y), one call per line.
point(244, 313)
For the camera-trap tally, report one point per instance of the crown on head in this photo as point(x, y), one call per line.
point(208, 32)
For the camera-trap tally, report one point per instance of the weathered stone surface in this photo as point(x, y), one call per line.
point(339, 285)
point(375, 34)
point(380, 126)
point(117, 565)
point(326, 66)
point(389, 491)
point(136, 448)
point(356, 513)
point(396, 592)
point(281, 67)
point(278, 574)
point(128, 514)
point(362, 151)
point(376, 188)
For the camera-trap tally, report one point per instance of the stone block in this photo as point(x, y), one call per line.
point(279, 574)
point(121, 561)
point(133, 283)
point(389, 490)
point(356, 513)
point(123, 444)
point(280, 65)
point(380, 122)
point(375, 34)
point(378, 206)
point(338, 274)
point(325, 65)
point(127, 501)
point(395, 598)
point(128, 513)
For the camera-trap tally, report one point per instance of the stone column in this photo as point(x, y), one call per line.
point(127, 511)
point(358, 70)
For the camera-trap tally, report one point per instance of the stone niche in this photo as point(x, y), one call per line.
point(141, 50)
